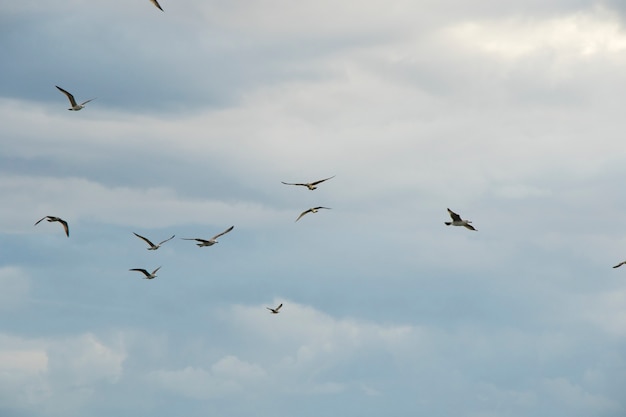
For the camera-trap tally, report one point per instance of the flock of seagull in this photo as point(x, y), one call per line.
point(75, 106)
point(200, 242)
point(152, 246)
point(456, 219)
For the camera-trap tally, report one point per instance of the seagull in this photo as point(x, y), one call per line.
point(152, 245)
point(458, 221)
point(620, 264)
point(309, 185)
point(275, 310)
point(146, 273)
point(312, 210)
point(156, 3)
point(56, 219)
point(212, 241)
point(75, 107)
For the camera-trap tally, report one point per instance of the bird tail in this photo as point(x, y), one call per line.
point(448, 223)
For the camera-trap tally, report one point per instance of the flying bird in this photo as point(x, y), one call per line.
point(156, 3)
point(212, 241)
point(620, 264)
point(311, 210)
point(146, 273)
point(152, 245)
point(275, 310)
point(56, 219)
point(458, 221)
point(70, 97)
point(309, 185)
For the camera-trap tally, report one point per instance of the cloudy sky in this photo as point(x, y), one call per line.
point(509, 113)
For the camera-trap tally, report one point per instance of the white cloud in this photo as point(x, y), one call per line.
point(59, 374)
point(297, 351)
point(193, 382)
point(579, 35)
point(321, 18)
point(85, 360)
point(31, 361)
point(228, 376)
point(234, 368)
point(312, 336)
point(23, 369)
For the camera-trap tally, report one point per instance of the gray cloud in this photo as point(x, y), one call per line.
point(509, 114)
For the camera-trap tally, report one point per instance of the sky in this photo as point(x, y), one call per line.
point(508, 113)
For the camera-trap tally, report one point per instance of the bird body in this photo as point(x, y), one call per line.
point(275, 310)
point(56, 219)
point(458, 221)
point(70, 97)
point(312, 210)
point(309, 185)
point(152, 245)
point(212, 241)
point(148, 275)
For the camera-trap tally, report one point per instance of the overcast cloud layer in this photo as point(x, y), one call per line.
point(509, 113)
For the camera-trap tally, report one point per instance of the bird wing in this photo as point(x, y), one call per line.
point(279, 306)
point(619, 264)
point(469, 226)
point(223, 233)
point(65, 227)
point(39, 221)
point(303, 213)
point(160, 243)
point(68, 94)
point(196, 239)
point(155, 271)
point(294, 183)
point(143, 271)
point(454, 216)
point(325, 179)
point(320, 207)
point(156, 3)
point(145, 240)
point(85, 102)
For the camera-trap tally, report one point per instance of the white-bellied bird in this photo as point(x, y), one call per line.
point(458, 221)
point(275, 310)
point(212, 241)
point(148, 275)
point(311, 210)
point(152, 245)
point(70, 97)
point(309, 185)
